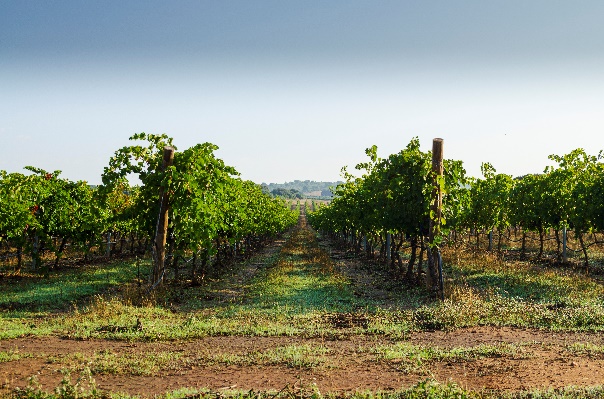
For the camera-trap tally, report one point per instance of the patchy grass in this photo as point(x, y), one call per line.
point(586, 349)
point(31, 293)
point(299, 292)
point(296, 356)
point(85, 388)
point(409, 358)
point(108, 362)
point(13, 355)
point(305, 356)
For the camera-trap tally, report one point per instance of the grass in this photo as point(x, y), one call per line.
point(409, 358)
point(293, 294)
point(297, 292)
point(527, 281)
point(586, 349)
point(33, 305)
point(302, 281)
point(306, 356)
point(487, 291)
point(13, 355)
point(32, 293)
point(108, 362)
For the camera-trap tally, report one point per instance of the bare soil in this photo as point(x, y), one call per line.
point(544, 363)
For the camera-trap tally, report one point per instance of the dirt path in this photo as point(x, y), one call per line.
point(544, 361)
point(521, 359)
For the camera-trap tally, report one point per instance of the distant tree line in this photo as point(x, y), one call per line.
point(285, 193)
point(305, 188)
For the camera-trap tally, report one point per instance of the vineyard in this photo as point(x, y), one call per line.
point(254, 296)
point(388, 209)
point(214, 216)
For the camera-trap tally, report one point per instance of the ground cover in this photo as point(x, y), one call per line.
point(306, 318)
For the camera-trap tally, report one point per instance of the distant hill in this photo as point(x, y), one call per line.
point(308, 188)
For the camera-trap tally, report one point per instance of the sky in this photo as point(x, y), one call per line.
point(295, 90)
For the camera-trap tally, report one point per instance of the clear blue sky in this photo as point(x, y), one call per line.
point(297, 89)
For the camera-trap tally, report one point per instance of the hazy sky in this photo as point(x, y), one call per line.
point(297, 89)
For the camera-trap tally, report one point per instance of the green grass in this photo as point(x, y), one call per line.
point(294, 294)
point(409, 358)
point(299, 292)
point(108, 362)
point(33, 305)
point(13, 355)
point(586, 349)
point(305, 356)
point(31, 293)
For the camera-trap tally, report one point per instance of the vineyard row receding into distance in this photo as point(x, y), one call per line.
point(390, 208)
point(195, 279)
point(216, 217)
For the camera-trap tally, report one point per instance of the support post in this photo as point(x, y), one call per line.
point(388, 245)
point(35, 259)
point(434, 276)
point(108, 247)
point(490, 240)
point(564, 254)
point(161, 231)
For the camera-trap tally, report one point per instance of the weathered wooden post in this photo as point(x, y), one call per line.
point(161, 231)
point(388, 247)
point(491, 240)
point(434, 273)
point(108, 247)
point(35, 258)
point(564, 245)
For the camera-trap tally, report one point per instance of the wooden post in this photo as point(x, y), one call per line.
point(490, 240)
point(564, 244)
point(108, 247)
point(388, 245)
point(35, 259)
point(161, 231)
point(433, 278)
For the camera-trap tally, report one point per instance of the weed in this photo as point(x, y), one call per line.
point(410, 358)
point(108, 362)
point(83, 388)
point(586, 349)
point(13, 355)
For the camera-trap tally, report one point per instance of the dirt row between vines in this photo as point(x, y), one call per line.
point(544, 360)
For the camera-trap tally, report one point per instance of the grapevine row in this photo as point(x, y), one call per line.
point(388, 207)
point(215, 215)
